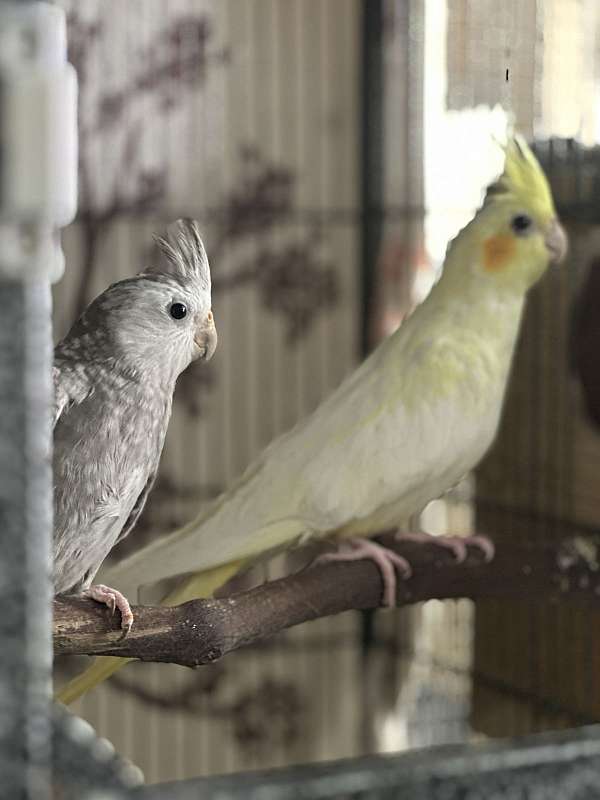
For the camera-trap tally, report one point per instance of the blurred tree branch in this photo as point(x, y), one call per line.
point(202, 631)
point(295, 280)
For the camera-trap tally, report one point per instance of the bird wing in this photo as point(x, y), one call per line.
point(308, 482)
point(398, 432)
point(61, 395)
point(137, 508)
point(69, 388)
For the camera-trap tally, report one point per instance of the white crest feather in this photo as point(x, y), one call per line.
point(183, 252)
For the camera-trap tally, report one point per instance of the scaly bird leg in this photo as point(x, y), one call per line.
point(113, 599)
point(457, 544)
point(386, 560)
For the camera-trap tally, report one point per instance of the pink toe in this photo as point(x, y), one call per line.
point(387, 562)
point(126, 621)
point(113, 599)
point(484, 544)
point(458, 547)
point(401, 564)
point(455, 544)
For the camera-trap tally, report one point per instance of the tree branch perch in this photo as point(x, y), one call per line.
point(202, 631)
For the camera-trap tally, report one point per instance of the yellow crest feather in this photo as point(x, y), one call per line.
point(523, 181)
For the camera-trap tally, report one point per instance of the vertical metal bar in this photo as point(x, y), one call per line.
point(371, 190)
point(25, 528)
point(371, 149)
point(37, 193)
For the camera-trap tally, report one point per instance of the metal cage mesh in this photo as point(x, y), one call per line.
point(327, 150)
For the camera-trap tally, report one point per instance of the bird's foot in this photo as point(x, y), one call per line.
point(113, 599)
point(457, 544)
point(387, 561)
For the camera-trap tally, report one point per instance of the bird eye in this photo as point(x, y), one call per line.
point(177, 310)
point(521, 224)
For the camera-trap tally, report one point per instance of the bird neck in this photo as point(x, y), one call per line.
point(472, 310)
point(109, 370)
point(151, 377)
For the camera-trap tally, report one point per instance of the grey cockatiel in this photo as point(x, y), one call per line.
point(114, 377)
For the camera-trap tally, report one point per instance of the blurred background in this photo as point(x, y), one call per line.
point(329, 149)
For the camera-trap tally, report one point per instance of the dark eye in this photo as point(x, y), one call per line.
point(521, 224)
point(177, 310)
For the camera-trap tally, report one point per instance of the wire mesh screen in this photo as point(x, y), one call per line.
point(247, 116)
point(538, 482)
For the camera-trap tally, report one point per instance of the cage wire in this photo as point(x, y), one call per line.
point(328, 151)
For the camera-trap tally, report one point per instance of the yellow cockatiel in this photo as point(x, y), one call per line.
point(401, 430)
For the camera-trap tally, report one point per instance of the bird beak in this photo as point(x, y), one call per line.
point(556, 241)
point(206, 338)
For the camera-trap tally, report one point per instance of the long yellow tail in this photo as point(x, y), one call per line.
point(203, 584)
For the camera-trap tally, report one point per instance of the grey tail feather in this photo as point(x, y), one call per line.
point(184, 252)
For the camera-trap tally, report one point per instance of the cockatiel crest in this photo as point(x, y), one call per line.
point(508, 244)
point(181, 253)
point(522, 180)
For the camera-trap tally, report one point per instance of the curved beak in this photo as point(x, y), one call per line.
point(206, 338)
point(556, 241)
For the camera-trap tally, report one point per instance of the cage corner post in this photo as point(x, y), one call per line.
point(37, 195)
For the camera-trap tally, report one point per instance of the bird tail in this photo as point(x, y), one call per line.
point(202, 584)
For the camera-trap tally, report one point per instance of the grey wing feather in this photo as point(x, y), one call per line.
point(61, 395)
point(137, 508)
point(69, 387)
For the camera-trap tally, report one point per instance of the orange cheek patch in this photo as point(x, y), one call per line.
point(497, 251)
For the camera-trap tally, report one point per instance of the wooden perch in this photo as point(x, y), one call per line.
point(202, 631)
